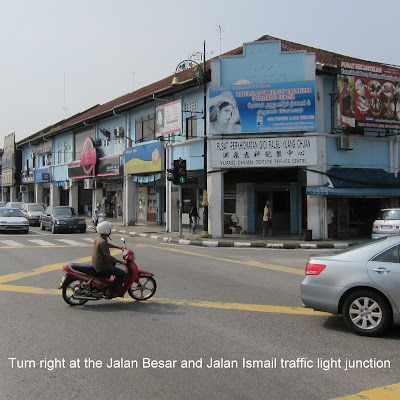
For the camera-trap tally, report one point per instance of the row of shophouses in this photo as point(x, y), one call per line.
point(314, 132)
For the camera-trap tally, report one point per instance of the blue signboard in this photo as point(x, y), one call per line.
point(274, 107)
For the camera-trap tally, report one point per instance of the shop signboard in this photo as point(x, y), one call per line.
point(299, 151)
point(369, 95)
point(108, 166)
point(169, 118)
point(143, 158)
point(272, 107)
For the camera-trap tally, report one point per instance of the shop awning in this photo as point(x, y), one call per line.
point(352, 192)
point(146, 178)
point(358, 182)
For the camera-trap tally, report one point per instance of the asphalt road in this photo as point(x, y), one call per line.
point(225, 323)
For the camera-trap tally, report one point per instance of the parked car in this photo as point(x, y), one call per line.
point(387, 223)
point(12, 219)
point(15, 204)
point(62, 219)
point(361, 283)
point(32, 212)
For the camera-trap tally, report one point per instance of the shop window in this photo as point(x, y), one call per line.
point(145, 128)
point(230, 203)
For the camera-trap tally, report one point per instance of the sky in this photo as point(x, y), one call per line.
point(59, 58)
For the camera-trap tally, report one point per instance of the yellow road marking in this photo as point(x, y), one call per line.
point(391, 392)
point(42, 270)
point(189, 303)
point(53, 246)
point(251, 263)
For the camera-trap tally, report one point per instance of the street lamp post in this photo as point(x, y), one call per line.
point(201, 72)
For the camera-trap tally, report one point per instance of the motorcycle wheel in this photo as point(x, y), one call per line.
point(69, 287)
point(144, 290)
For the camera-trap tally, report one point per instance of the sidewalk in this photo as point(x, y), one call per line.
point(157, 232)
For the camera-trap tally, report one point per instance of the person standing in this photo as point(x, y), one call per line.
point(267, 219)
point(193, 215)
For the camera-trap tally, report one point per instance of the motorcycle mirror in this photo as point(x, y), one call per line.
point(123, 240)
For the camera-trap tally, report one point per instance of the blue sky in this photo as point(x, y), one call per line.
point(60, 58)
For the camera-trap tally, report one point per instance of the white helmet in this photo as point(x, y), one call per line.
point(104, 228)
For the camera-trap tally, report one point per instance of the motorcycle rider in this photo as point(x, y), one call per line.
point(103, 261)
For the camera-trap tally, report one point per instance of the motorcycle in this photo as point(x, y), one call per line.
point(81, 283)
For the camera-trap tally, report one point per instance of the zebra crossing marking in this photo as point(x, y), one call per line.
point(69, 241)
point(41, 242)
point(12, 243)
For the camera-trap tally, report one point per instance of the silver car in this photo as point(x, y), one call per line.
point(12, 219)
point(361, 282)
point(32, 212)
point(387, 223)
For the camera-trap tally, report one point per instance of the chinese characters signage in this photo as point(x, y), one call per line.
point(369, 95)
point(274, 107)
point(275, 152)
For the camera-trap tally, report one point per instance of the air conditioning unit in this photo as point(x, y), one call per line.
point(88, 184)
point(345, 143)
point(32, 155)
point(23, 188)
point(118, 131)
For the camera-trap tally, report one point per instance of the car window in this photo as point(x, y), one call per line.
point(67, 212)
point(7, 212)
point(389, 214)
point(35, 207)
point(390, 255)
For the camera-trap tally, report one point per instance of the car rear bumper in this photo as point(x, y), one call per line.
point(321, 297)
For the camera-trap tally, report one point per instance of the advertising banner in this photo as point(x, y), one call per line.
point(143, 158)
point(274, 107)
point(259, 153)
point(169, 118)
point(369, 95)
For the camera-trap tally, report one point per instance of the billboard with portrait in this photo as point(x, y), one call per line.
point(273, 107)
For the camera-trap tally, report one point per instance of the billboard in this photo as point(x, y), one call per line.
point(273, 107)
point(169, 118)
point(143, 158)
point(369, 95)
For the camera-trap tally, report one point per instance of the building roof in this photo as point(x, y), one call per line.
point(145, 94)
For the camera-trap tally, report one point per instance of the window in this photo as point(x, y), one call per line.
point(145, 128)
point(390, 256)
point(191, 127)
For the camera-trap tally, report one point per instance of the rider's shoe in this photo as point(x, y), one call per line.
point(110, 294)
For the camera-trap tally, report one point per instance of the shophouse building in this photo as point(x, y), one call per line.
point(314, 132)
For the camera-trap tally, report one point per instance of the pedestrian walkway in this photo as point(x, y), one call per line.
point(278, 241)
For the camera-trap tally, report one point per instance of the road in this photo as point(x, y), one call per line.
point(225, 323)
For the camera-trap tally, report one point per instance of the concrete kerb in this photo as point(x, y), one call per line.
point(230, 243)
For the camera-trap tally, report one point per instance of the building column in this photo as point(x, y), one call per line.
point(39, 193)
point(215, 188)
point(73, 195)
point(130, 202)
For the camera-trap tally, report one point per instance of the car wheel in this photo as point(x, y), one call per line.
point(53, 228)
point(367, 313)
point(42, 227)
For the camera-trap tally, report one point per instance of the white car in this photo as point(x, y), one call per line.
point(12, 219)
point(387, 223)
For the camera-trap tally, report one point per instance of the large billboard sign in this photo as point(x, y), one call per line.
point(369, 95)
point(273, 107)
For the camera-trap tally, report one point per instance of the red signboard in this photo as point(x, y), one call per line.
point(369, 95)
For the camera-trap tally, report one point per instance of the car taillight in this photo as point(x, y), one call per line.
point(314, 269)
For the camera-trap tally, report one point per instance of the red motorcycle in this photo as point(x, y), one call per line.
point(81, 283)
